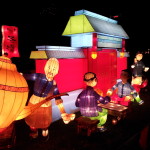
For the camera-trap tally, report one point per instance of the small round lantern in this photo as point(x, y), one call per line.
point(122, 54)
point(94, 55)
point(13, 92)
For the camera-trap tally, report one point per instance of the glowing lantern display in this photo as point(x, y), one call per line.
point(44, 86)
point(51, 69)
point(30, 109)
point(10, 41)
point(13, 92)
point(67, 117)
point(138, 83)
point(89, 99)
point(122, 54)
point(94, 55)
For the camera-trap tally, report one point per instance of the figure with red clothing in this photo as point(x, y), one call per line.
point(139, 84)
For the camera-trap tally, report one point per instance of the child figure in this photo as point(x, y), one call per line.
point(125, 93)
point(44, 86)
point(138, 67)
point(88, 101)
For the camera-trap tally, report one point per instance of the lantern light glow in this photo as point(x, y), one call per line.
point(13, 92)
point(94, 55)
point(122, 54)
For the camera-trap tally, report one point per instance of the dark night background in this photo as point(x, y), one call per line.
point(42, 23)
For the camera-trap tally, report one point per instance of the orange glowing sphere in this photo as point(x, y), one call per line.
point(13, 92)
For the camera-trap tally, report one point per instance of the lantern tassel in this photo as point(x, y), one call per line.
point(30, 109)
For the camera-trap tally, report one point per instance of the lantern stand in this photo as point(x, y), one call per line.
point(8, 137)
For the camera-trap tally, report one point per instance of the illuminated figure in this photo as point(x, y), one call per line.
point(88, 100)
point(44, 86)
point(138, 84)
point(125, 92)
point(138, 81)
point(138, 67)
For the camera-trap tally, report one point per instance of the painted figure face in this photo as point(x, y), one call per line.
point(139, 57)
point(51, 68)
point(90, 79)
point(124, 76)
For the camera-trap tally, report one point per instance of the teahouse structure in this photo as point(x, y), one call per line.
point(91, 34)
point(97, 45)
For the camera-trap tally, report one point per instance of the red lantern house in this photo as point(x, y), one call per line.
point(101, 36)
point(97, 45)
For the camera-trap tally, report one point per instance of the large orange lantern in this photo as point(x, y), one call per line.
point(13, 92)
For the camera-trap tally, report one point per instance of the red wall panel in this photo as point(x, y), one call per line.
point(105, 67)
point(71, 72)
point(121, 65)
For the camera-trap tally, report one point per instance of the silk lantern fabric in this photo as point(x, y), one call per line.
point(13, 92)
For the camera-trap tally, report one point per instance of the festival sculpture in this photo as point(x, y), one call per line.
point(13, 92)
point(88, 101)
point(44, 86)
point(123, 92)
point(138, 68)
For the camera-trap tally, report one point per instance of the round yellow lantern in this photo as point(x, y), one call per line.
point(122, 54)
point(13, 92)
point(94, 55)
